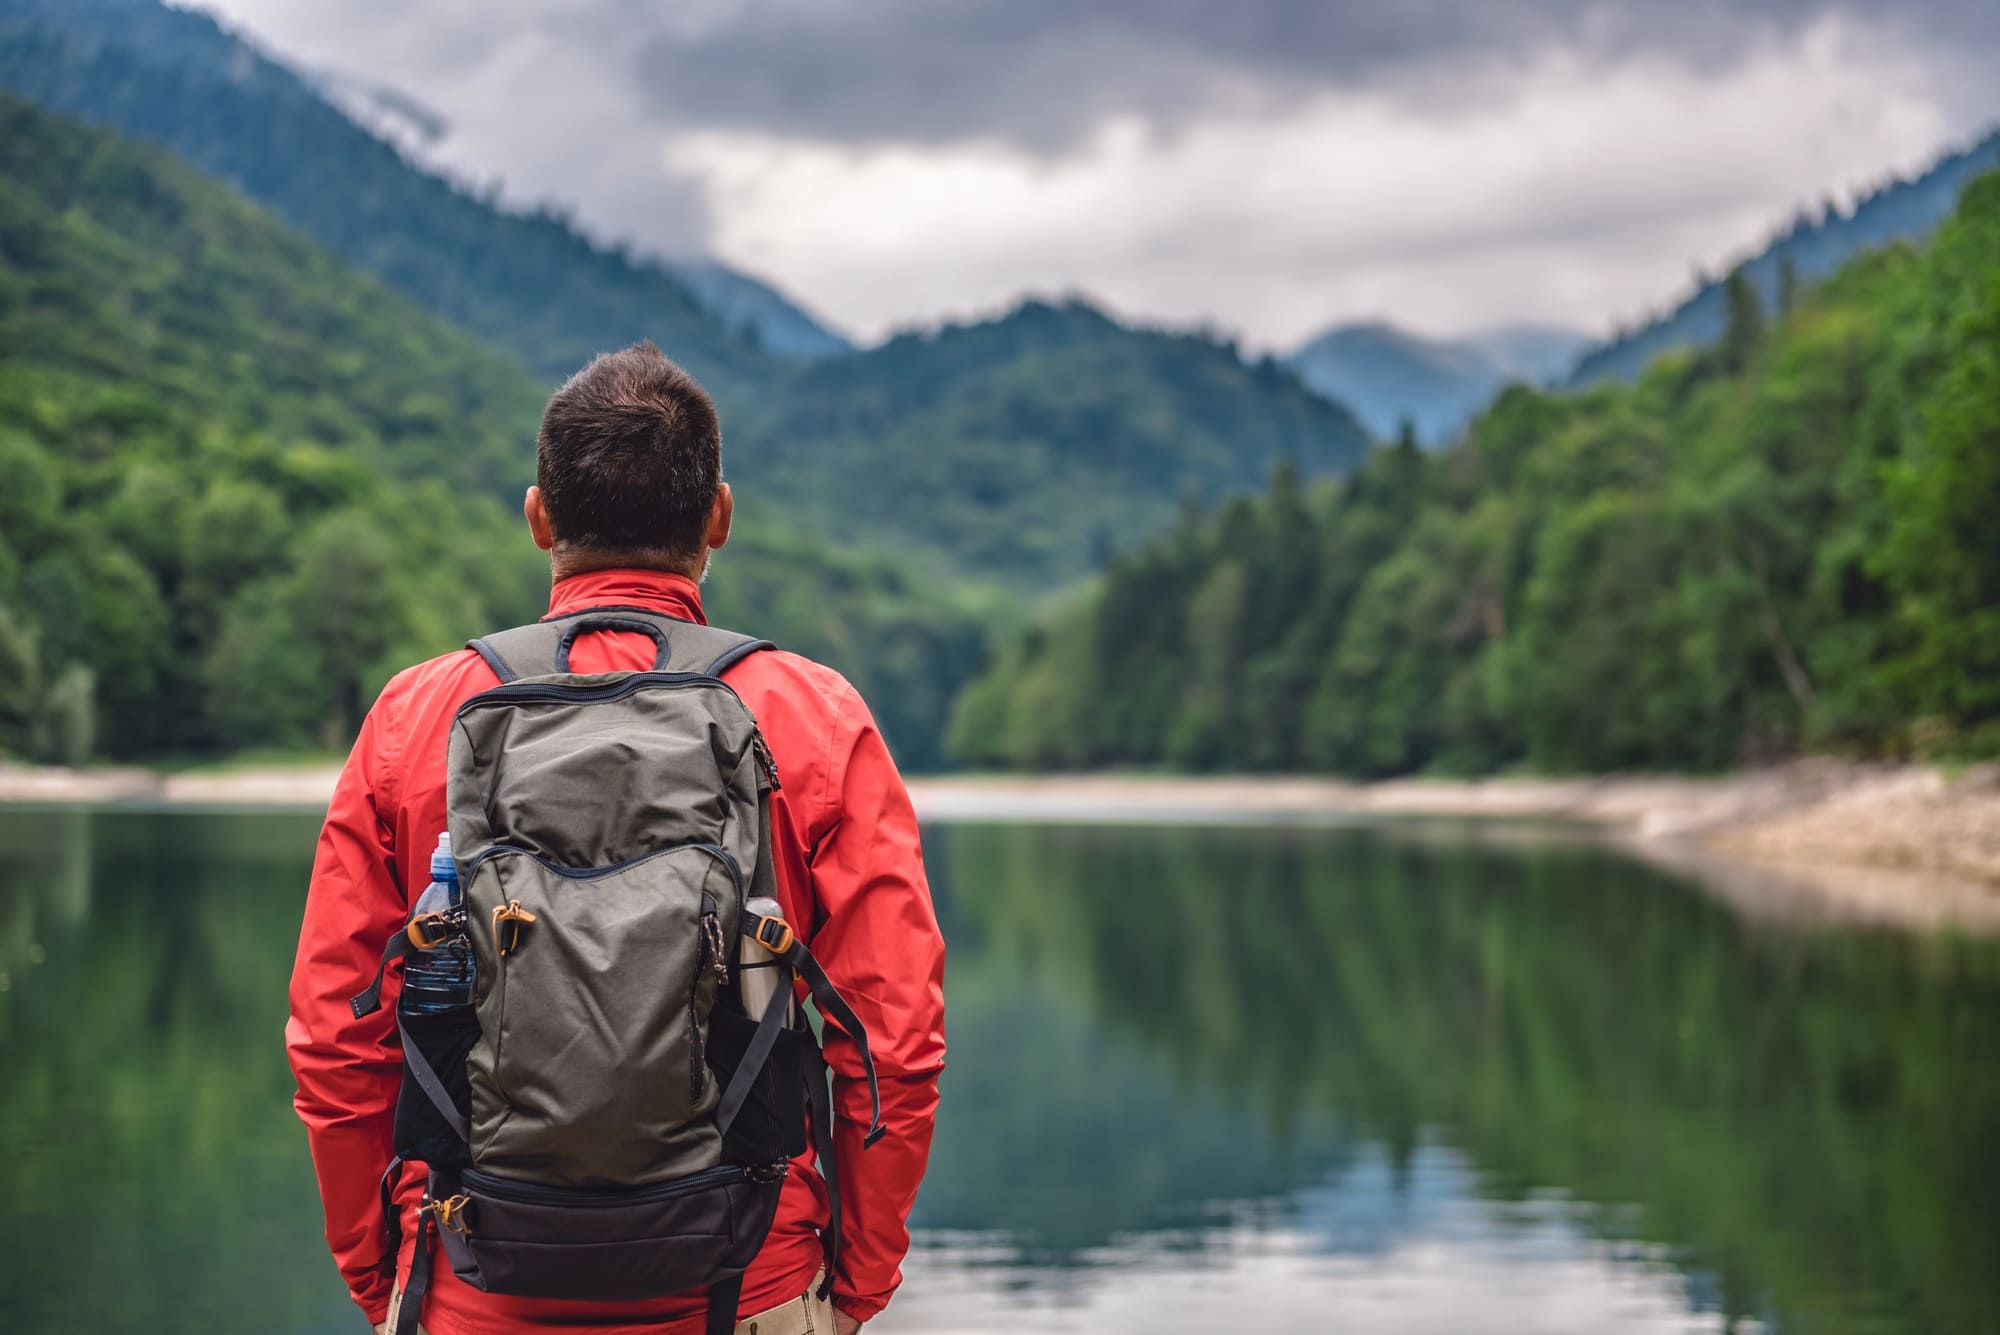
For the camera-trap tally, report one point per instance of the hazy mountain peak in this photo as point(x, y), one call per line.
point(1388, 375)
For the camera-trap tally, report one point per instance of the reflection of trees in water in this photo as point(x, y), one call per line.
point(44, 878)
point(146, 1106)
point(1811, 1120)
point(1058, 1136)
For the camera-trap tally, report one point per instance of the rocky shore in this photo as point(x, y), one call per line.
point(1908, 845)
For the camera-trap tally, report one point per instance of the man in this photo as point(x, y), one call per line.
point(629, 504)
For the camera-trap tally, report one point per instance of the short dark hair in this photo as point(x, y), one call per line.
point(629, 458)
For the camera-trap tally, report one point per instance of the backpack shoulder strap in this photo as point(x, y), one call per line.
point(542, 648)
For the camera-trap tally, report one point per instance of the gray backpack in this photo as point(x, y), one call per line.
point(600, 1119)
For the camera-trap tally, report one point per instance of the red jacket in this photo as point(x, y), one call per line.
point(850, 873)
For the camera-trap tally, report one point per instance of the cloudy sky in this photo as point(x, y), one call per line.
point(1265, 166)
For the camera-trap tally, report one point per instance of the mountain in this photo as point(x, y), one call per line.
point(1786, 545)
point(1032, 446)
point(1389, 376)
point(1812, 247)
point(1024, 449)
point(1533, 354)
point(528, 283)
point(246, 481)
point(758, 312)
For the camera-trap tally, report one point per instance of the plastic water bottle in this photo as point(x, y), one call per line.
point(759, 973)
point(438, 979)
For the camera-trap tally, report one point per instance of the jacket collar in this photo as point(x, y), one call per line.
point(653, 590)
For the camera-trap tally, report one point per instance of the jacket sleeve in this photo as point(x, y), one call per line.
point(348, 1070)
point(877, 937)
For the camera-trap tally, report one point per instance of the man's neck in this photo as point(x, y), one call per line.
point(564, 564)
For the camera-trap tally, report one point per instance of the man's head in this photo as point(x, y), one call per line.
point(628, 469)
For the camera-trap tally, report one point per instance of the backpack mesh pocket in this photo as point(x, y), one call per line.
point(771, 1128)
point(421, 1133)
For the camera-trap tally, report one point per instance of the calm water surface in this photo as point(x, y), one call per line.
point(1201, 1081)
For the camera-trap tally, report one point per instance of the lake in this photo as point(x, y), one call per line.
point(1396, 1080)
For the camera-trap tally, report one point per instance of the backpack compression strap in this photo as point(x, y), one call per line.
point(776, 936)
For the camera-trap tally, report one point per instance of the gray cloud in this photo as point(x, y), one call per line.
point(1452, 164)
point(1041, 73)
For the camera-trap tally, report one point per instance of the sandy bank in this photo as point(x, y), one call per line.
point(1816, 839)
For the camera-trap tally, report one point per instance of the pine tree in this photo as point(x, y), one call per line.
point(1744, 331)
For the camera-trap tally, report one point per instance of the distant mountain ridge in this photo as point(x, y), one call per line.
point(529, 283)
point(1034, 445)
point(1816, 246)
point(1389, 376)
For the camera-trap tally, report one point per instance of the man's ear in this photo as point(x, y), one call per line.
point(537, 515)
point(719, 516)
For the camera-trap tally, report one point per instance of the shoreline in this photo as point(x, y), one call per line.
point(1815, 840)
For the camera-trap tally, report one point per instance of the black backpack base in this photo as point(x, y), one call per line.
point(618, 1245)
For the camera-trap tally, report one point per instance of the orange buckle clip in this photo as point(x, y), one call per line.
point(507, 921)
point(428, 930)
point(775, 935)
point(451, 1212)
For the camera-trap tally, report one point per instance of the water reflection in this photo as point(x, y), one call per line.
point(1803, 1125)
point(1203, 1080)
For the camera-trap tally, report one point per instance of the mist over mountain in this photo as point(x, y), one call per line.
point(1813, 246)
point(1388, 376)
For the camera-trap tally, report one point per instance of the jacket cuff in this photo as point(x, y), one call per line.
point(861, 1309)
point(375, 1303)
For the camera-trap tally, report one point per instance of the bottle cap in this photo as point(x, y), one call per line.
point(443, 867)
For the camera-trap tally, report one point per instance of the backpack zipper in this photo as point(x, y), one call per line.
point(533, 1193)
point(716, 851)
point(538, 692)
point(764, 757)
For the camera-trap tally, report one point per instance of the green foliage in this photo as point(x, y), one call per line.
point(1939, 550)
point(1783, 543)
point(245, 484)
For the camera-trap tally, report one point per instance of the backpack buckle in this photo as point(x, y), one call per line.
point(774, 934)
point(428, 930)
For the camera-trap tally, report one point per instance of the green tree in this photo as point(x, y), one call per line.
point(1743, 330)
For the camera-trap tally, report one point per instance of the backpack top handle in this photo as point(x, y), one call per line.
point(579, 626)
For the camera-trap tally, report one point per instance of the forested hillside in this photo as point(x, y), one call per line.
point(529, 284)
point(1812, 247)
point(1025, 449)
point(244, 483)
point(1032, 446)
point(1786, 541)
